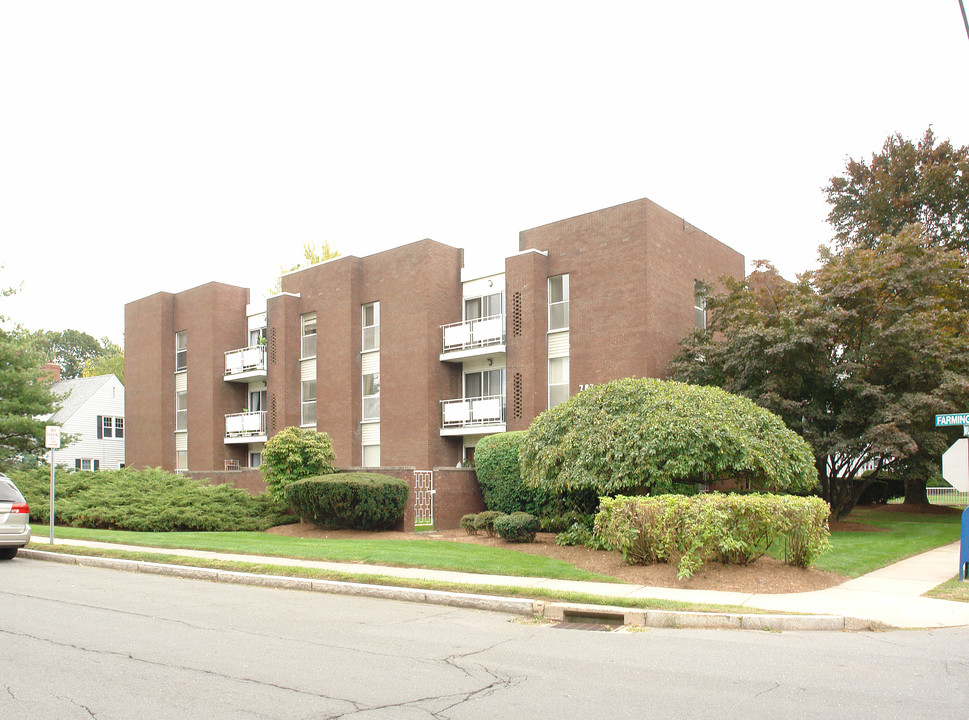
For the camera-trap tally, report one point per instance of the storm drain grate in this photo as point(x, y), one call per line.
point(595, 621)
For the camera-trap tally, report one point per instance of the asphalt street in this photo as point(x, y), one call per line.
point(83, 642)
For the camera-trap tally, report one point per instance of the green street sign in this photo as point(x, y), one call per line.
point(949, 420)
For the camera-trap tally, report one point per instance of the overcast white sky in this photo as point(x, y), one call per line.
point(151, 146)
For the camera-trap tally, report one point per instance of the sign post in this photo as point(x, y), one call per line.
point(52, 441)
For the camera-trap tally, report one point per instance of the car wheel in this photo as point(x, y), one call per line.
point(8, 553)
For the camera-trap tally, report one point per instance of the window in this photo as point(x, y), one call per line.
point(699, 305)
point(558, 302)
point(107, 426)
point(181, 351)
point(371, 326)
point(181, 460)
point(371, 456)
point(181, 411)
point(484, 384)
point(257, 337)
point(308, 323)
point(558, 381)
point(482, 307)
point(371, 396)
point(257, 400)
point(308, 397)
point(87, 465)
point(255, 459)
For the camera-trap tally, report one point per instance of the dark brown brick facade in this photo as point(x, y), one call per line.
point(631, 272)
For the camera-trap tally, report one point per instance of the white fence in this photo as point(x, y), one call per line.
point(941, 496)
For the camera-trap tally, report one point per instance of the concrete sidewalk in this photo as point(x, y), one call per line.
point(887, 598)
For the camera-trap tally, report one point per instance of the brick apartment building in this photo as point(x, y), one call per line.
point(404, 357)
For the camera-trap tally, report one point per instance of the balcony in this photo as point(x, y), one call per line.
point(473, 416)
point(474, 338)
point(245, 427)
point(245, 364)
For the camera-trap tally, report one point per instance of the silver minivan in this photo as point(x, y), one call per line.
point(14, 519)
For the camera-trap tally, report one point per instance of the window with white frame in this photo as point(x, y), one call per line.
point(181, 460)
point(181, 411)
point(484, 383)
point(558, 381)
point(108, 426)
point(308, 402)
point(371, 456)
point(558, 302)
point(371, 326)
point(482, 307)
point(699, 305)
point(371, 396)
point(308, 332)
point(255, 459)
point(181, 351)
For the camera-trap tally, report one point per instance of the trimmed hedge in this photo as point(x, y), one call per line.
point(689, 530)
point(518, 527)
point(485, 521)
point(496, 465)
point(357, 500)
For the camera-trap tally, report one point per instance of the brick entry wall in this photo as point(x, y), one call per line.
point(457, 491)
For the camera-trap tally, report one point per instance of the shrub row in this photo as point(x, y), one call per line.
point(150, 500)
point(690, 530)
point(358, 500)
point(514, 527)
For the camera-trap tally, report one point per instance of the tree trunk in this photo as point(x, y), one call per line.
point(915, 493)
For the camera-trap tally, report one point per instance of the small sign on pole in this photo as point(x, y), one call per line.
point(52, 441)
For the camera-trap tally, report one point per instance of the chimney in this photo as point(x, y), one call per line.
point(52, 371)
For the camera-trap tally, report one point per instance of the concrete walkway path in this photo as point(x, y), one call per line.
point(889, 597)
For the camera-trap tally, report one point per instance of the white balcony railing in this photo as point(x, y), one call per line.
point(245, 360)
point(471, 412)
point(471, 334)
point(245, 424)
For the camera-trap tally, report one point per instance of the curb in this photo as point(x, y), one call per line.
point(556, 612)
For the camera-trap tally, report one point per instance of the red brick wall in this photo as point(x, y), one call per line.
point(526, 374)
point(213, 317)
point(149, 364)
point(251, 481)
point(418, 288)
point(631, 275)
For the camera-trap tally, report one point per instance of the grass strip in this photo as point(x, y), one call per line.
point(901, 535)
point(416, 553)
point(320, 574)
point(951, 590)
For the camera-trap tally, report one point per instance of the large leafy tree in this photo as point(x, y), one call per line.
point(109, 362)
point(856, 356)
point(630, 435)
point(907, 183)
point(72, 349)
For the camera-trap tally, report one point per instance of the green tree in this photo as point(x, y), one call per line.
point(71, 349)
point(293, 454)
point(25, 396)
point(109, 362)
point(632, 435)
point(907, 183)
point(856, 357)
point(311, 256)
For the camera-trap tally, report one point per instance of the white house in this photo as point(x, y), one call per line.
point(92, 410)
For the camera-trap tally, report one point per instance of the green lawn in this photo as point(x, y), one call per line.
point(852, 553)
point(436, 554)
point(903, 535)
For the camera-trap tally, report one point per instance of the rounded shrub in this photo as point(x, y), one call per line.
point(293, 454)
point(485, 521)
point(518, 527)
point(358, 500)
